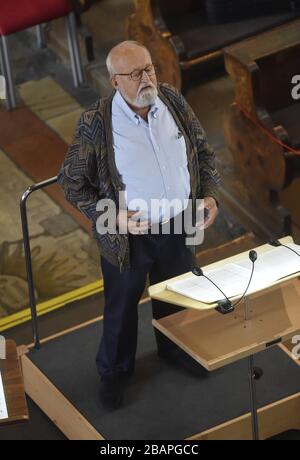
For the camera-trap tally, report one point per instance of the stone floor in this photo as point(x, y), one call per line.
point(33, 140)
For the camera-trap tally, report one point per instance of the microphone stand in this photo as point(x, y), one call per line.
point(254, 373)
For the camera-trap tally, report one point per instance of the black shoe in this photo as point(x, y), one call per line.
point(112, 392)
point(181, 359)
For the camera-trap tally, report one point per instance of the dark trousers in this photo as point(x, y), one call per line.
point(160, 256)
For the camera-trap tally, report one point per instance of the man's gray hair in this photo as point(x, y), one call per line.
point(109, 65)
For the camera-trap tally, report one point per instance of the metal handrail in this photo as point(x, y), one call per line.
point(27, 253)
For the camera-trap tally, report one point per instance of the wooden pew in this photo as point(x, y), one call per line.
point(263, 117)
point(182, 35)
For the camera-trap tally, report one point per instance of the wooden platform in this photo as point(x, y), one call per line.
point(61, 378)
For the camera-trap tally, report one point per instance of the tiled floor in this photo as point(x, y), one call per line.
point(34, 140)
point(64, 256)
point(47, 99)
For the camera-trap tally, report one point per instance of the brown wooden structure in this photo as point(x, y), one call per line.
point(181, 35)
point(263, 117)
point(216, 340)
point(13, 386)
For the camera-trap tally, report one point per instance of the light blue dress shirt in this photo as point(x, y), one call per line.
point(151, 158)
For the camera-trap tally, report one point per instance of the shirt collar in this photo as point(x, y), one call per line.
point(124, 107)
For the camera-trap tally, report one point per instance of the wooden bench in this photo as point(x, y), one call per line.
point(181, 35)
point(263, 116)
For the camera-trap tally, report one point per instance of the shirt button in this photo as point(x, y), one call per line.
point(168, 188)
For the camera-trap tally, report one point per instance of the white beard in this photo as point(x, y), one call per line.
point(145, 98)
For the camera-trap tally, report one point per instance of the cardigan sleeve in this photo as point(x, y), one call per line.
point(76, 174)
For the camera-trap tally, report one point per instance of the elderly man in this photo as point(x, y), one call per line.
point(145, 141)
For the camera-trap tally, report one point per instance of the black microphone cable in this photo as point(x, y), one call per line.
point(252, 257)
point(226, 306)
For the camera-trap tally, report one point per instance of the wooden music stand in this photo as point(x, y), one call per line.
point(13, 387)
point(264, 319)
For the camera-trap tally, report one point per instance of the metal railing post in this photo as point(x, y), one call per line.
point(27, 253)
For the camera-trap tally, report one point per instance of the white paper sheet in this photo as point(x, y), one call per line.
point(233, 279)
point(274, 264)
point(3, 406)
point(230, 278)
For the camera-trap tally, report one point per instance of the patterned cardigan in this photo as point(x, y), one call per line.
point(89, 171)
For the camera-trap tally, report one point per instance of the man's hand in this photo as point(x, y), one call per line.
point(209, 204)
point(128, 221)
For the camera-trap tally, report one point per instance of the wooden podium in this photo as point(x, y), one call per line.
point(13, 386)
point(263, 319)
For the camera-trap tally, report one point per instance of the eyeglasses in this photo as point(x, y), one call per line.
point(136, 75)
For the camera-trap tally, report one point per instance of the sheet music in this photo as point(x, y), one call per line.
point(275, 264)
point(233, 278)
point(3, 406)
point(230, 278)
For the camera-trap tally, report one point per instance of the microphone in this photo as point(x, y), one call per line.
point(225, 305)
point(253, 255)
point(277, 243)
